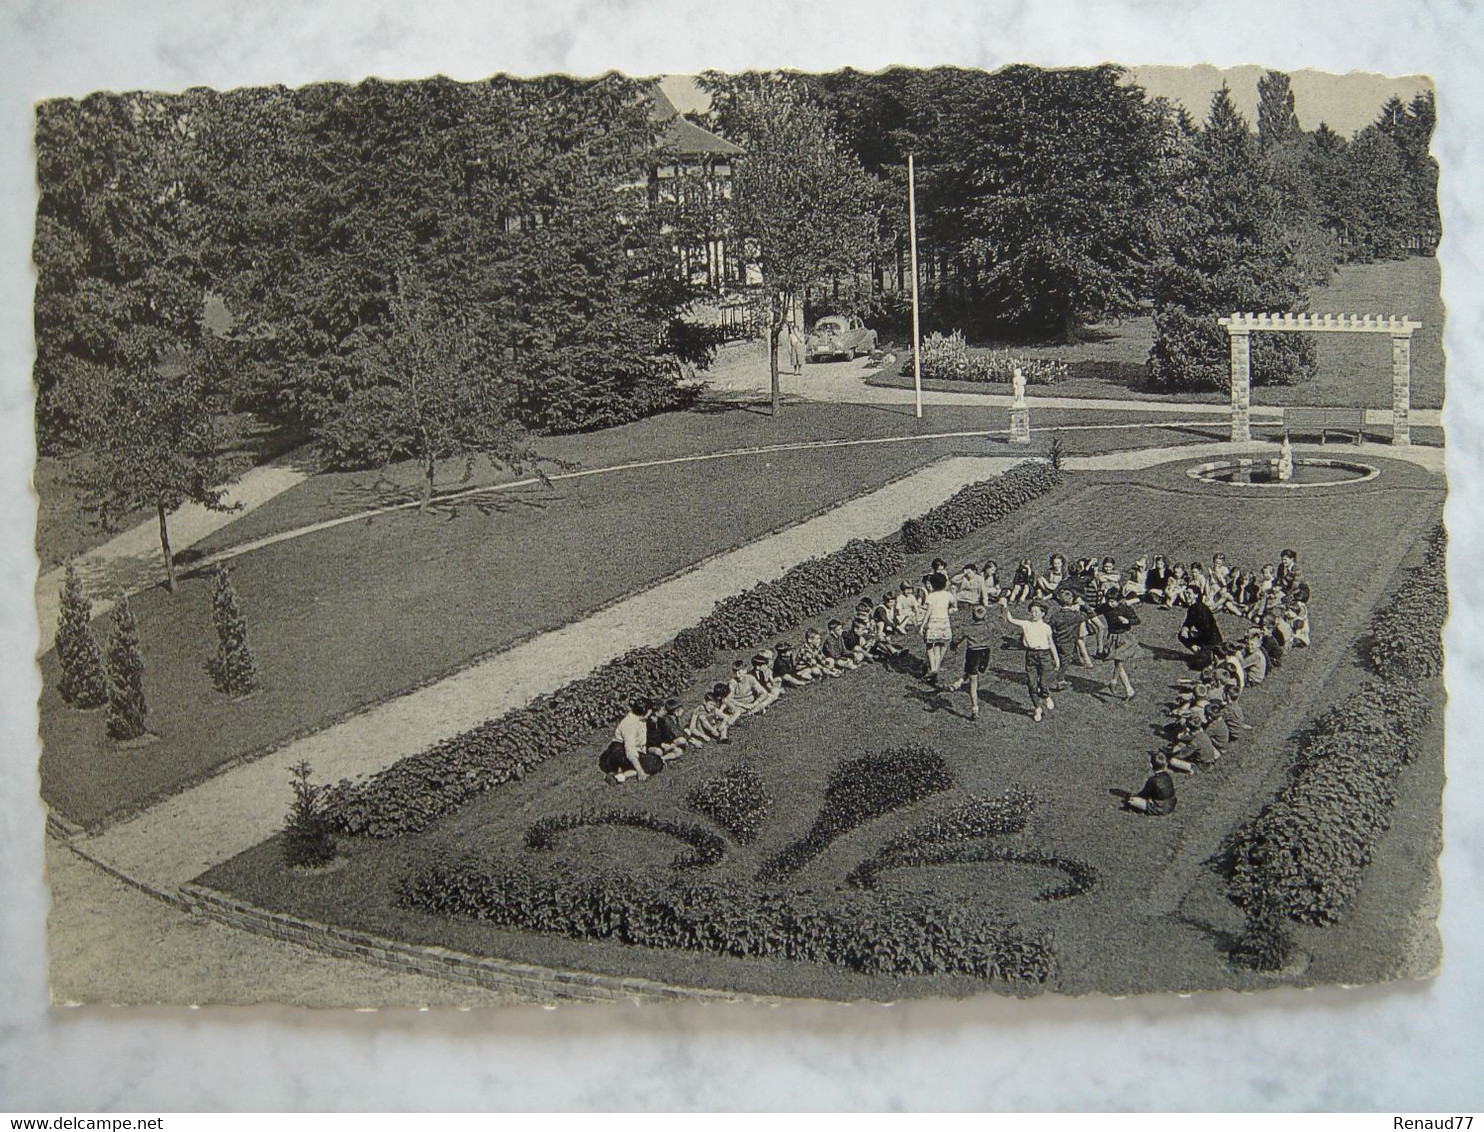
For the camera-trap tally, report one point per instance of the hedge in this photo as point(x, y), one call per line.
point(737, 801)
point(409, 795)
point(869, 933)
point(861, 790)
point(706, 847)
point(979, 505)
point(1081, 876)
point(1305, 852)
point(772, 608)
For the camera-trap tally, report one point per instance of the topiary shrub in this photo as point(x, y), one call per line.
point(413, 792)
point(83, 684)
point(870, 933)
point(232, 668)
point(126, 707)
point(706, 847)
point(861, 790)
point(979, 505)
point(308, 840)
point(737, 801)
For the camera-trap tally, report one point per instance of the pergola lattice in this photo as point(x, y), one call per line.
point(1240, 327)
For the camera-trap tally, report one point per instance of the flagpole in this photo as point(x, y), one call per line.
point(916, 326)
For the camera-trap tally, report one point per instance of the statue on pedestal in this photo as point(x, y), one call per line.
point(1020, 416)
point(1285, 460)
point(1018, 384)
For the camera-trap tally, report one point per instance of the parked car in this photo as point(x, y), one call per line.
point(838, 336)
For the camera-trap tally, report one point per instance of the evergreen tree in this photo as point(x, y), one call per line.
point(232, 668)
point(83, 683)
point(1277, 121)
point(126, 709)
point(308, 840)
point(1227, 248)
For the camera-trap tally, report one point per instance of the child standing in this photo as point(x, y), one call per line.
point(978, 644)
point(1041, 658)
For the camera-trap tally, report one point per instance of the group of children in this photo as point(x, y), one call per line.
point(1207, 715)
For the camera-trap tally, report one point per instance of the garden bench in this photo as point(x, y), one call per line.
point(1324, 421)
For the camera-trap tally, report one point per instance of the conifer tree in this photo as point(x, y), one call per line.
point(126, 708)
point(308, 841)
point(83, 683)
point(232, 668)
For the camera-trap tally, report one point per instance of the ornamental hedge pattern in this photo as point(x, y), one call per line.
point(409, 795)
point(771, 608)
point(1305, 852)
point(706, 847)
point(861, 790)
point(737, 801)
point(873, 934)
point(979, 505)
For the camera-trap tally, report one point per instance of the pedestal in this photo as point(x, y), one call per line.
point(1020, 426)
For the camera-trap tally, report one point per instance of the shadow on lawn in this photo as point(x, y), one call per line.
point(384, 493)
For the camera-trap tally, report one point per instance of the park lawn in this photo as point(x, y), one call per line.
point(349, 616)
point(1353, 369)
point(1115, 938)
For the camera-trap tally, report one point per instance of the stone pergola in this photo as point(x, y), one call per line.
point(1240, 327)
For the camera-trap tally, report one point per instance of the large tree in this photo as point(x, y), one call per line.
point(1227, 248)
point(125, 374)
point(804, 206)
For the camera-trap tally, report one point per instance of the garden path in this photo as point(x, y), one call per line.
point(132, 559)
point(744, 375)
point(180, 838)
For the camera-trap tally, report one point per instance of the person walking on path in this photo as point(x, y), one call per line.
point(1040, 655)
point(978, 644)
point(795, 349)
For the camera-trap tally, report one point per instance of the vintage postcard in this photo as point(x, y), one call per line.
point(850, 536)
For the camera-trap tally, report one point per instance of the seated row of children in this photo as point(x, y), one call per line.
point(1207, 715)
point(653, 733)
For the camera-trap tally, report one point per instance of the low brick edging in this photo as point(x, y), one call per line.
point(540, 984)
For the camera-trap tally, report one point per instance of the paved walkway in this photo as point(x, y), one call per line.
point(183, 836)
point(132, 560)
point(745, 374)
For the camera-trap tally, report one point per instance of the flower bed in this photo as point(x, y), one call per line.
point(410, 794)
point(1307, 849)
point(979, 505)
point(706, 847)
point(859, 791)
point(737, 801)
point(771, 608)
point(869, 933)
point(948, 358)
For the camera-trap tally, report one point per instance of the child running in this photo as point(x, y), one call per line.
point(937, 629)
point(978, 643)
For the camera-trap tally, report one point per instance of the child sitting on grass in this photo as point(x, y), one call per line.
point(1156, 798)
point(762, 669)
point(707, 722)
point(1022, 583)
point(811, 658)
point(786, 668)
point(746, 692)
point(839, 654)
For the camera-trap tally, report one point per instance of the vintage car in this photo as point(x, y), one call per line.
point(838, 336)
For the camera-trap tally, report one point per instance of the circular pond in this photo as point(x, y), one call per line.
point(1308, 471)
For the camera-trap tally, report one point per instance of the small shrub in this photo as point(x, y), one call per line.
point(861, 790)
point(83, 684)
point(979, 505)
point(308, 841)
point(737, 801)
point(870, 933)
point(126, 707)
point(232, 668)
point(707, 847)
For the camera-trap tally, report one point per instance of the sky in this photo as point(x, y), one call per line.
point(1346, 102)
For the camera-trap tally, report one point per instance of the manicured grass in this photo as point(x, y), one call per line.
point(1354, 369)
point(352, 615)
point(1110, 939)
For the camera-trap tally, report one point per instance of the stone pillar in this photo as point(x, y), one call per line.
point(1020, 425)
point(1401, 389)
point(1241, 351)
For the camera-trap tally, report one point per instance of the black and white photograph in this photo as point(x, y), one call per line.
point(844, 534)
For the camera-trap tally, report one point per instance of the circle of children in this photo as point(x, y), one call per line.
point(1073, 615)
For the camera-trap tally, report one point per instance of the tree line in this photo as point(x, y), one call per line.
point(435, 269)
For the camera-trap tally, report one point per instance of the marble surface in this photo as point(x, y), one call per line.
point(1389, 1048)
